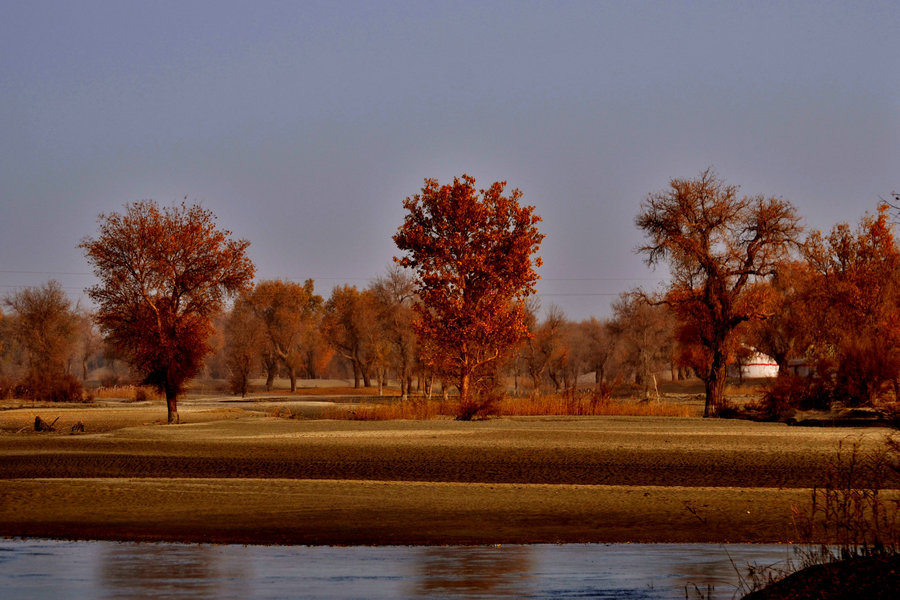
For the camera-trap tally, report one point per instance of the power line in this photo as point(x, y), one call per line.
point(11, 272)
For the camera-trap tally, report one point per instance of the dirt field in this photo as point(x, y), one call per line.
point(231, 474)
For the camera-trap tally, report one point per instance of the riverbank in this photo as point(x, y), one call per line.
point(233, 476)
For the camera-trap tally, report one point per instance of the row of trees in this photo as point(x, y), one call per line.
point(458, 307)
point(284, 329)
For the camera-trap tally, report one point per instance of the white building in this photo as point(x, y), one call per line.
point(756, 366)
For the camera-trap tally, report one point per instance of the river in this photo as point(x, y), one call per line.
point(52, 570)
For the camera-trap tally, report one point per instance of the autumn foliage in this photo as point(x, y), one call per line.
point(164, 273)
point(854, 293)
point(472, 253)
point(720, 248)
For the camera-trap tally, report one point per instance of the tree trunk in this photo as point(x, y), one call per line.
point(715, 387)
point(464, 381)
point(271, 366)
point(172, 404)
point(292, 374)
point(355, 374)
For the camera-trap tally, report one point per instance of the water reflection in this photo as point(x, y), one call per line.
point(168, 571)
point(41, 569)
point(495, 571)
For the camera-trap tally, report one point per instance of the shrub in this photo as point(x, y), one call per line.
point(789, 392)
point(480, 405)
point(7, 388)
point(61, 388)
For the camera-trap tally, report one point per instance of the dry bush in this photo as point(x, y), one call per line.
point(853, 510)
point(854, 515)
point(281, 412)
point(789, 392)
point(482, 403)
point(60, 388)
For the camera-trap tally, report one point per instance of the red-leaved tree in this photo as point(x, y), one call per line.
point(163, 275)
point(472, 253)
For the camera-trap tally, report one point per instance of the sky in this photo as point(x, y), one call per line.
point(303, 125)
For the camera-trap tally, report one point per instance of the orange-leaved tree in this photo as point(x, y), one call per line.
point(164, 273)
point(720, 248)
point(350, 325)
point(290, 313)
point(855, 297)
point(472, 253)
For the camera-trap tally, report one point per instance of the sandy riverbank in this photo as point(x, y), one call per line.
point(229, 475)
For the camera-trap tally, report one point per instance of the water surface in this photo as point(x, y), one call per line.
point(41, 569)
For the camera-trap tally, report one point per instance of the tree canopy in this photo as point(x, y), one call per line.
point(164, 273)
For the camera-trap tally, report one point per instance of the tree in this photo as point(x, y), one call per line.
point(471, 252)
point(395, 296)
point(163, 275)
point(545, 350)
point(600, 347)
point(784, 335)
point(90, 343)
point(719, 247)
point(245, 337)
point(45, 327)
point(289, 312)
point(644, 335)
point(855, 297)
point(350, 324)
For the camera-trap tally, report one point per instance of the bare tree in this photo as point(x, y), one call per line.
point(245, 336)
point(395, 296)
point(719, 247)
point(45, 326)
point(644, 333)
point(89, 340)
point(545, 351)
point(600, 343)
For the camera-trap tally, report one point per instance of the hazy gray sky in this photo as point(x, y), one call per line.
point(303, 125)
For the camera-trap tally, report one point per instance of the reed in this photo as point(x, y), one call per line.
point(587, 404)
point(135, 393)
point(569, 404)
point(411, 410)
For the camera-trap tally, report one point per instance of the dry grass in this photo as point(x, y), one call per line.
point(542, 405)
point(135, 393)
point(331, 391)
point(590, 405)
point(409, 410)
